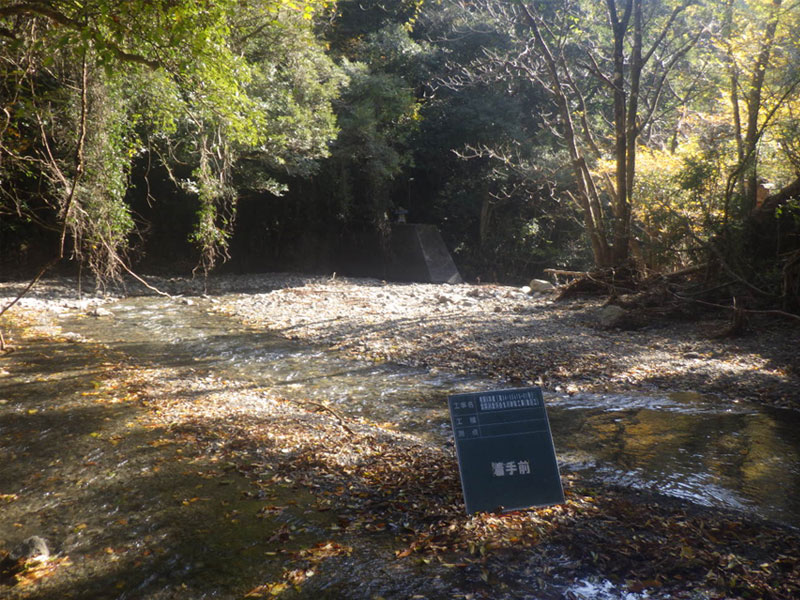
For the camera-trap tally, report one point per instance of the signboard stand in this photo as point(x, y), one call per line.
point(505, 450)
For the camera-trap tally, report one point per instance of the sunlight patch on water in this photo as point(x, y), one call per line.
point(678, 402)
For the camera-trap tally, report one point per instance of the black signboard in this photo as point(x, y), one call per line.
point(505, 450)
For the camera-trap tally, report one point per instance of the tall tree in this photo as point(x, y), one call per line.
point(759, 43)
point(605, 67)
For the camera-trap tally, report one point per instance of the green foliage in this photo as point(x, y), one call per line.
point(333, 115)
point(293, 84)
point(790, 210)
point(482, 152)
point(101, 221)
point(209, 86)
point(376, 114)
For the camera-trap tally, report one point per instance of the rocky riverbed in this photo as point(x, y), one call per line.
point(489, 330)
point(509, 334)
point(179, 483)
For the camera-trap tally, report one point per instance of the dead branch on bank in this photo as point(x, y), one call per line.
point(323, 407)
point(613, 282)
point(130, 272)
point(670, 294)
point(735, 308)
point(28, 288)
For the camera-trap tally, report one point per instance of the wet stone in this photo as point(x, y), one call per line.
point(32, 548)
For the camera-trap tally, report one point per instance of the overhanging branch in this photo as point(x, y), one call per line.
point(35, 9)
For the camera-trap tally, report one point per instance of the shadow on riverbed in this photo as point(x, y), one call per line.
point(129, 510)
point(132, 508)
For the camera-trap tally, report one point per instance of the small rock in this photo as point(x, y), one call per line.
point(611, 316)
point(692, 355)
point(525, 289)
point(187, 301)
point(541, 286)
point(77, 304)
point(33, 548)
point(99, 311)
point(71, 336)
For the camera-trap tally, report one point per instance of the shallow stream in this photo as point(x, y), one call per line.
point(711, 452)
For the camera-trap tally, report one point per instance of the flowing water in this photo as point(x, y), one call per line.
point(711, 452)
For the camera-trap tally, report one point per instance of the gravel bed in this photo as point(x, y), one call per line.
point(503, 332)
point(488, 330)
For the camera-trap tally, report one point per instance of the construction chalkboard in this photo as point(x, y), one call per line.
point(505, 450)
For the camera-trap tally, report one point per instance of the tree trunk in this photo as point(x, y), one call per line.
point(621, 204)
point(774, 201)
point(733, 73)
point(753, 103)
point(483, 226)
point(588, 198)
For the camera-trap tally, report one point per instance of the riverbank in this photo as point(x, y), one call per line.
point(179, 483)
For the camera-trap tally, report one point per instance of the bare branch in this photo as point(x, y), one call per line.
point(664, 30)
point(33, 282)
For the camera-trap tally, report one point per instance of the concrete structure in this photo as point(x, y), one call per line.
point(418, 253)
point(411, 252)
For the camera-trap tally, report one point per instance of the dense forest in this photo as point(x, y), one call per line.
point(640, 136)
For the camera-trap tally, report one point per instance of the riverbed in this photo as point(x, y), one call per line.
point(206, 376)
point(711, 451)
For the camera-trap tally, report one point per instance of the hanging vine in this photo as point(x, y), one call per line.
point(216, 213)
